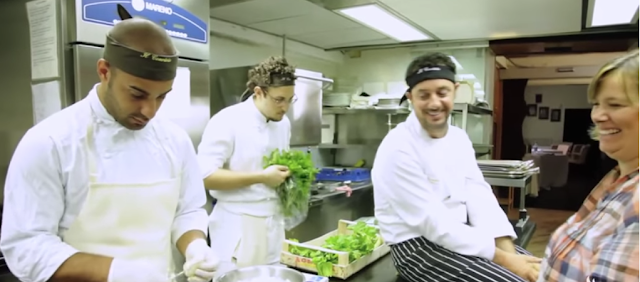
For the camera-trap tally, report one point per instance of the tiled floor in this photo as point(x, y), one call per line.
point(546, 221)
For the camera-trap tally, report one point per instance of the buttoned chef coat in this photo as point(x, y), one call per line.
point(235, 139)
point(434, 188)
point(47, 181)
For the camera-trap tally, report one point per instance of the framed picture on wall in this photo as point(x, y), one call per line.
point(532, 110)
point(543, 113)
point(556, 115)
point(538, 98)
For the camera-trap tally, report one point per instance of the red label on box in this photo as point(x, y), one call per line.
point(304, 262)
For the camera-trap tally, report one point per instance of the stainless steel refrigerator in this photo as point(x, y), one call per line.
point(187, 21)
point(81, 29)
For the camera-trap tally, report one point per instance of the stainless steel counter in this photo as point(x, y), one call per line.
point(326, 209)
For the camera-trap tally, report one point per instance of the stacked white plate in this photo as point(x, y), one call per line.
point(465, 93)
point(388, 103)
point(336, 99)
point(362, 102)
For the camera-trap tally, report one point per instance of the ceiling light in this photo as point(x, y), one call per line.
point(613, 12)
point(381, 20)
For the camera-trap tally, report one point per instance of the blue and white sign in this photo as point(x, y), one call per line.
point(178, 22)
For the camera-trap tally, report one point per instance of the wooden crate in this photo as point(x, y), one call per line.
point(343, 269)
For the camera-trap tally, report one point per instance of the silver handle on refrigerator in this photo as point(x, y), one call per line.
point(326, 82)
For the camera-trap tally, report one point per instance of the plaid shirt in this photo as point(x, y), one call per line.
point(600, 242)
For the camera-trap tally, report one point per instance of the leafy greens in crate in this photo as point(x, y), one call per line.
point(362, 241)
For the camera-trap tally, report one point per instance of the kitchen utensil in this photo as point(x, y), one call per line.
point(263, 271)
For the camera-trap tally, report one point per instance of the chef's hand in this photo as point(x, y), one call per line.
point(523, 266)
point(139, 271)
point(201, 262)
point(275, 175)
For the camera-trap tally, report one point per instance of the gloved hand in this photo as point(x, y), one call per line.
point(139, 271)
point(201, 263)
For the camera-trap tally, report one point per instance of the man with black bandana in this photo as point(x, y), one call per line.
point(101, 191)
point(434, 208)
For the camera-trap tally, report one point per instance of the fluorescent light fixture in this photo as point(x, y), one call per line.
point(613, 12)
point(458, 65)
point(381, 20)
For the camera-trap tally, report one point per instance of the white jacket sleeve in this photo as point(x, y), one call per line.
point(190, 214)
point(482, 206)
point(216, 145)
point(34, 204)
point(410, 196)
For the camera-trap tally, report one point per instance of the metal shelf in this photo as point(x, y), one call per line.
point(346, 111)
point(482, 149)
point(471, 109)
point(457, 109)
point(465, 110)
point(339, 146)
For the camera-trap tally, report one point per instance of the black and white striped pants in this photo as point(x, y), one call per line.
point(419, 260)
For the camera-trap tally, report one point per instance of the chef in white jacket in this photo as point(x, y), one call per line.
point(433, 206)
point(246, 227)
point(101, 191)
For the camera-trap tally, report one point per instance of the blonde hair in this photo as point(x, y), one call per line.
point(626, 68)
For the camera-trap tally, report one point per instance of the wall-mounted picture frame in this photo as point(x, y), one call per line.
point(543, 113)
point(538, 98)
point(556, 115)
point(532, 110)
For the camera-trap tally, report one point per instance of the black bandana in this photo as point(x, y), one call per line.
point(140, 64)
point(427, 73)
point(276, 80)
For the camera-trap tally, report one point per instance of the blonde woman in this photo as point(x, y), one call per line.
point(600, 242)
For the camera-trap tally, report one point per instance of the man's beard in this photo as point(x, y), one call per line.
point(112, 105)
point(435, 128)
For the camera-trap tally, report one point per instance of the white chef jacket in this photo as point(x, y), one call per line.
point(433, 188)
point(48, 178)
point(233, 139)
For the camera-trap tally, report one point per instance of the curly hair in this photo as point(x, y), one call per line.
point(262, 74)
point(430, 60)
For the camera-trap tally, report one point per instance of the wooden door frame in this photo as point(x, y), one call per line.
point(497, 114)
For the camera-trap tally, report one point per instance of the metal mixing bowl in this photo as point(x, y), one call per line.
point(263, 271)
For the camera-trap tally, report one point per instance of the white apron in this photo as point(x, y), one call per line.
point(127, 220)
point(249, 233)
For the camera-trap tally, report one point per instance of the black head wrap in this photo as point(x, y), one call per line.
point(140, 64)
point(427, 73)
point(275, 79)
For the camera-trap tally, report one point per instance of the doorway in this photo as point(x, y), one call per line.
point(582, 177)
point(577, 123)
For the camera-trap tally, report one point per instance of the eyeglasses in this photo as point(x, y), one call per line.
point(281, 100)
